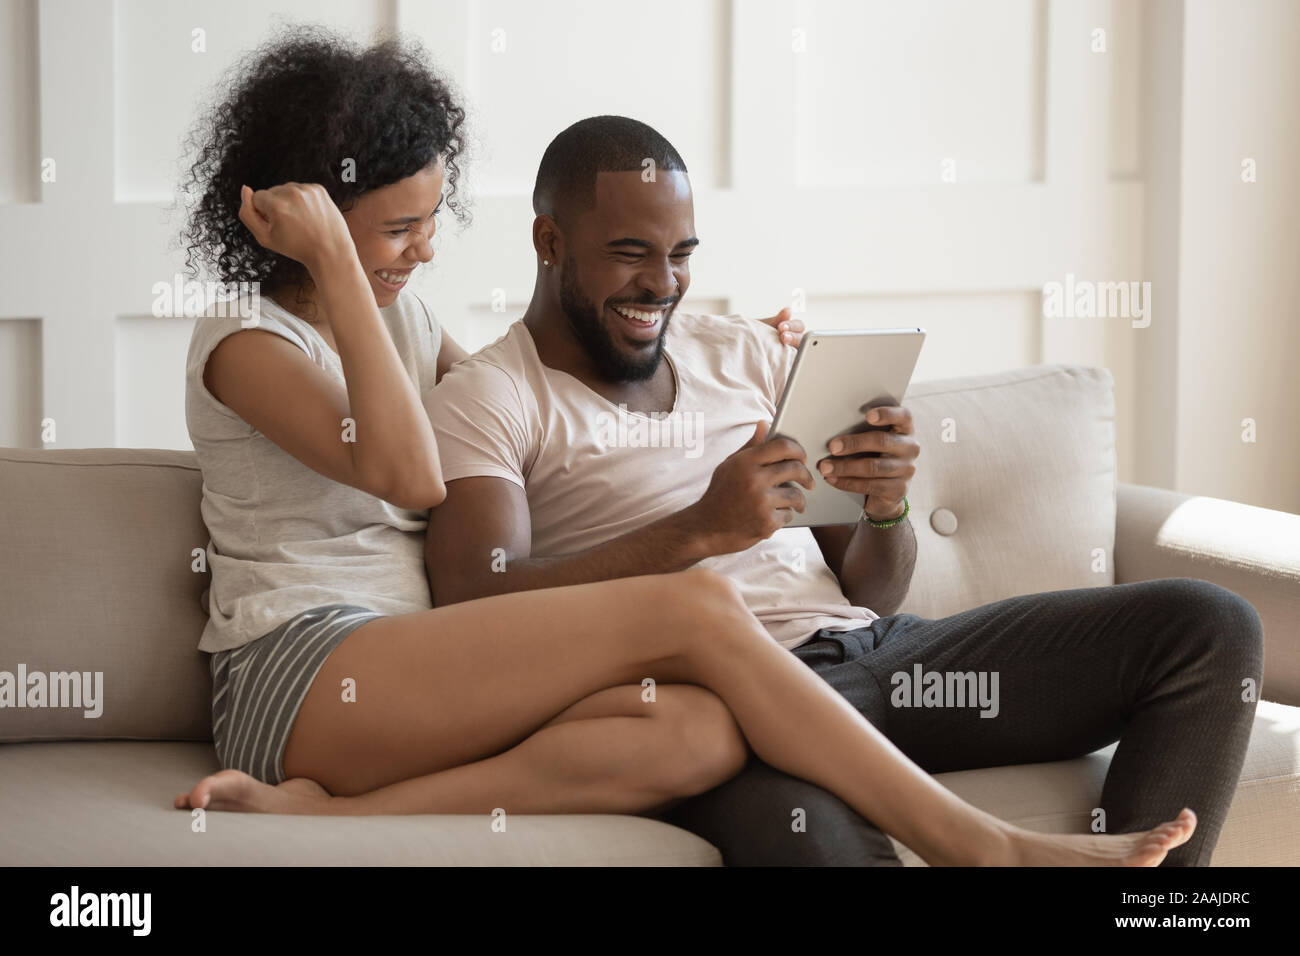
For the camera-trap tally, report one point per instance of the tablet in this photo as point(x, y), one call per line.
point(836, 377)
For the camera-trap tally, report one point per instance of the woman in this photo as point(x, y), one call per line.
point(319, 461)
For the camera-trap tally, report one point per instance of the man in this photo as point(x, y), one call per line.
point(606, 436)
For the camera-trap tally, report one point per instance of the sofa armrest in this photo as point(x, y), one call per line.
point(1254, 552)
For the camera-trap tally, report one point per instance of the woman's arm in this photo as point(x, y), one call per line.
point(390, 451)
point(449, 353)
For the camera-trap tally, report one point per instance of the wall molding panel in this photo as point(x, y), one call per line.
point(1049, 186)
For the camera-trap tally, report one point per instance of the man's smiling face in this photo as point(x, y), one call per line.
point(627, 264)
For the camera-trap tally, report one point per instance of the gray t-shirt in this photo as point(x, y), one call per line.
point(284, 538)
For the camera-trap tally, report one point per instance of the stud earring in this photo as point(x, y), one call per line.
point(546, 262)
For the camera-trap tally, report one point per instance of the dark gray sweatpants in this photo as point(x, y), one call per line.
point(1156, 665)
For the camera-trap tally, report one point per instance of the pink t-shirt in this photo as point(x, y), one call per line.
point(593, 471)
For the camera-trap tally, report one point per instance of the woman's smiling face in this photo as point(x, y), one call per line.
point(392, 228)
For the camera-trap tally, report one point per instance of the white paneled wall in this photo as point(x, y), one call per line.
point(530, 69)
point(1239, 238)
point(158, 76)
point(886, 99)
point(18, 162)
point(20, 382)
point(889, 163)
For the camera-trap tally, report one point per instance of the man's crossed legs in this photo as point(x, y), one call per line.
point(1160, 666)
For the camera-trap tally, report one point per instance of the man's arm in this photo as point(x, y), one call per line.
point(479, 540)
point(874, 565)
point(479, 543)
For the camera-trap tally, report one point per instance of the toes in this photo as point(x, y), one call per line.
point(225, 784)
point(1171, 834)
point(1178, 831)
point(1182, 836)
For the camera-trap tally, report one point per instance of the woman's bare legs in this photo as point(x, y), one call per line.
point(456, 685)
point(609, 753)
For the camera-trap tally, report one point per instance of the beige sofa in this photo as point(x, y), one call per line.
point(1015, 493)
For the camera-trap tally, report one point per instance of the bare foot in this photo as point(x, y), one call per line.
point(1144, 848)
point(236, 790)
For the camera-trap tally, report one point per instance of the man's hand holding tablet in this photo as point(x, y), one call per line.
point(882, 479)
point(846, 393)
point(842, 405)
point(753, 493)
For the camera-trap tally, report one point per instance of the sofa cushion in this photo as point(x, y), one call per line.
point(1015, 487)
point(95, 578)
point(109, 803)
point(59, 795)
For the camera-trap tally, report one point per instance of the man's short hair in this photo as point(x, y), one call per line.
point(566, 178)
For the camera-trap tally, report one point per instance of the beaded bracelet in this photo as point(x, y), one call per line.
point(891, 522)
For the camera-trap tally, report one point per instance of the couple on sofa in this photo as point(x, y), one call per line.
point(465, 598)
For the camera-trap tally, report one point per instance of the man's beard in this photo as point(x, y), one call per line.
point(612, 363)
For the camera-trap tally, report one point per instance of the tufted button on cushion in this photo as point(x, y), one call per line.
point(1029, 467)
point(943, 521)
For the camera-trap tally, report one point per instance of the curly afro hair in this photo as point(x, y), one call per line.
point(295, 109)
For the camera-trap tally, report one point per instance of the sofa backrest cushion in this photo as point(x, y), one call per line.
point(95, 578)
point(1014, 490)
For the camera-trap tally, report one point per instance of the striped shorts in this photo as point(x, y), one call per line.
point(258, 688)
